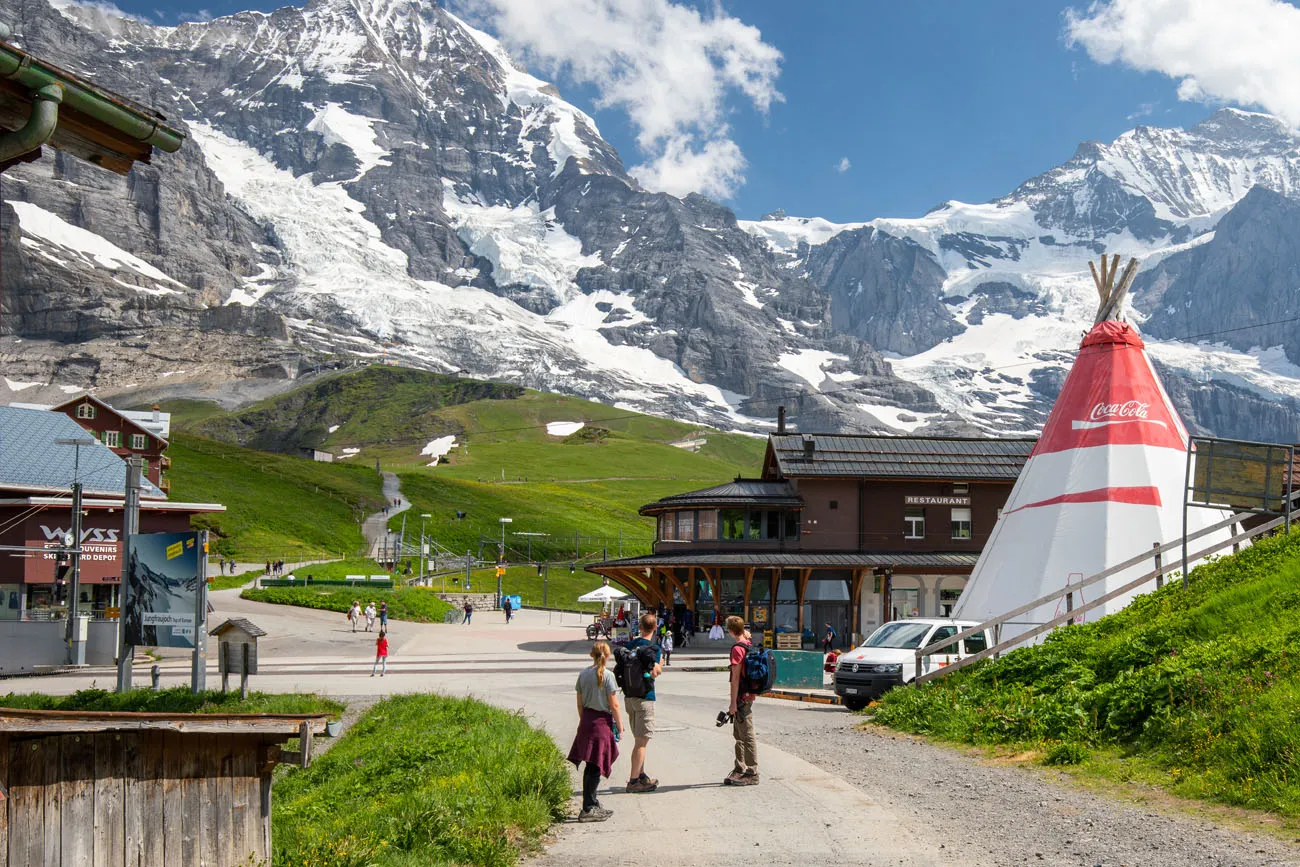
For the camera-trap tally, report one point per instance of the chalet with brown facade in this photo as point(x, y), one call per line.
point(848, 530)
point(125, 433)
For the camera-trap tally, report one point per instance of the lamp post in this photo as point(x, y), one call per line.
point(424, 548)
point(76, 649)
point(501, 556)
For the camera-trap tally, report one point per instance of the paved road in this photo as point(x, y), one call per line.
point(830, 794)
point(376, 526)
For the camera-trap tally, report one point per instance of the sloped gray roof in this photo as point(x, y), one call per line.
point(31, 460)
point(239, 623)
point(866, 456)
point(741, 492)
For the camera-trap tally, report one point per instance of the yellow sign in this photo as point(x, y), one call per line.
point(113, 613)
point(174, 551)
point(501, 571)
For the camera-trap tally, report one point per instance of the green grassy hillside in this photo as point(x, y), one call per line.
point(277, 506)
point(1194, 690)
point(588, 484)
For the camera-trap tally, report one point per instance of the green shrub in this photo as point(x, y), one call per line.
point(416, 604)
point(422, 779)
point(175, 700)
point(1065, 753)
point(1197, 686)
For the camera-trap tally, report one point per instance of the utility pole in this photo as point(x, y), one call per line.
point(76, 647)
point(130, 526)
point(199, 661)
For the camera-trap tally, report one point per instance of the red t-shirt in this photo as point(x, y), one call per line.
point(738, 651)
point(381, 647)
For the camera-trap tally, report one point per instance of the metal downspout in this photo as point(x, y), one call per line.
point(39, 127)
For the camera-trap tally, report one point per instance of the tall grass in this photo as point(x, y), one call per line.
point(422, 779)
point(1197, 689)
point(176, 700)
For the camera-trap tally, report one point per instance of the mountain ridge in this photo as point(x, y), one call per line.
point(380, 180)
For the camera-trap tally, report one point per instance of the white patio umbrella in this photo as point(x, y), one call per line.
point(602, 594)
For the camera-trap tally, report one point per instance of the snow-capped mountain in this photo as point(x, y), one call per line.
point(378, 178)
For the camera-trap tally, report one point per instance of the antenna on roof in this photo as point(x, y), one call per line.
point(1112, 295)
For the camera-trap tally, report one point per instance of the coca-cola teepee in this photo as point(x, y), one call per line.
point(1104, 482)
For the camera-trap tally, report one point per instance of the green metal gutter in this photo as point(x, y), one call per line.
point(39, 127)
point(21, 67)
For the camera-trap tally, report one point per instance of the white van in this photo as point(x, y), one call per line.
point(888, 657)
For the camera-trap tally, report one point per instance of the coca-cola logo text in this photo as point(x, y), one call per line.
point(1128, 409)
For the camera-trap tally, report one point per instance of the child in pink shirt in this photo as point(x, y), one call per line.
point(381, 654)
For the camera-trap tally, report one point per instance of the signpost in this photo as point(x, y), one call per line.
point(130, 526)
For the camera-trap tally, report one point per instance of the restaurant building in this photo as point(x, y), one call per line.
point(853, 531)
point(36, 476)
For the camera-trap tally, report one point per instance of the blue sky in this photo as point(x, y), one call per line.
point(928, 101)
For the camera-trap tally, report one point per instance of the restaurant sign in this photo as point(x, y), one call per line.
point(936, 501)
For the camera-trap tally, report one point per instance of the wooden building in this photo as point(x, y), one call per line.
point(124, 432)
point(848, 530)
point(141, 789)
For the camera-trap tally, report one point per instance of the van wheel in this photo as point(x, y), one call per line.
point(854, 704)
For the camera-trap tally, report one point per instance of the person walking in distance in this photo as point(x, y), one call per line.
point(600, 725)
point(641, 711)
point(666, 645)
point(354, 613)
point(828, 639)
point(370, 616)
point(469, 611)
point(381, 654)
point(508, 607)
point(745, 772)
point(383, 615)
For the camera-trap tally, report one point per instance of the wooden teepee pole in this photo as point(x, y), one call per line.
point(1112, 295)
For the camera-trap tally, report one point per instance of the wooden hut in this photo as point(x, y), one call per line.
point(141, 789)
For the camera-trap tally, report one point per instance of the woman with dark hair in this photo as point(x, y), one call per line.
point(600, 725)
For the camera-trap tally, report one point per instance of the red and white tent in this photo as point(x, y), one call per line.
point(1104, 482)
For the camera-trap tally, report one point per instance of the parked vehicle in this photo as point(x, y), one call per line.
point(888, 657)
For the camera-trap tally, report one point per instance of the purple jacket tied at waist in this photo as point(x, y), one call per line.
point(594, 741)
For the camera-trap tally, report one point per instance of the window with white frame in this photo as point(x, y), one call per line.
point(138, 441)
point(961, 523)
point(914, 523)
point(112, 438)
point(960, 488)
point(86, 410)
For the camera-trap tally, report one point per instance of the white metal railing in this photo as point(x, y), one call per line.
point(1067, 593)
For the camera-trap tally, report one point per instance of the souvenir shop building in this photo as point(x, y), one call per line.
point(36, 476)
point(848, 530)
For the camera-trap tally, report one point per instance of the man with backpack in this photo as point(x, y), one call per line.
point(745, 772)
point(639, 690)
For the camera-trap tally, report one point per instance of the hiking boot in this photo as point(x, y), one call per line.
point(735, 779)
point(594, 814)
point(751, 778)
point(642, 785)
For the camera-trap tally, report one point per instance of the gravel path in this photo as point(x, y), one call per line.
point(1007, 815)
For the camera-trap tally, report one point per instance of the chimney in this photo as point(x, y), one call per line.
point(155, 413)
point(780, 419)
point(809, 447)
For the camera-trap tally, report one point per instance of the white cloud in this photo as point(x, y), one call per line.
point(843, 165)
point(669, 67)
point(103, 8)
point(1241, 51)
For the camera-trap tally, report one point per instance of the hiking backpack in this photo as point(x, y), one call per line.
point(634, 670)
point(758, 671)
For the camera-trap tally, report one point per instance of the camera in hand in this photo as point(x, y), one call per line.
point(723, 718)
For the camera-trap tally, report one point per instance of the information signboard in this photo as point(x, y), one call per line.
point(163, 579)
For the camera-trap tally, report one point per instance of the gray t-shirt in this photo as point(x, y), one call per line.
point(596, 695)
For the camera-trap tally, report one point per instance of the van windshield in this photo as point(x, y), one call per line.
point(901, 635)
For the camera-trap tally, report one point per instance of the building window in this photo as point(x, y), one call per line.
point(667, 527)
point(86, 410)
point(144, 468)
point(835, 504)
point(792, 525)
point(754, 528)
point(914, 523)
point(685, 526)
point(112, 438)
point(961, 488)
point(733, 524)
point(706, 525)
point(137, 441)
point(961, 523)
point(772, 526)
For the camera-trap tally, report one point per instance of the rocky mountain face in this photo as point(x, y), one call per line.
point(377, 179)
